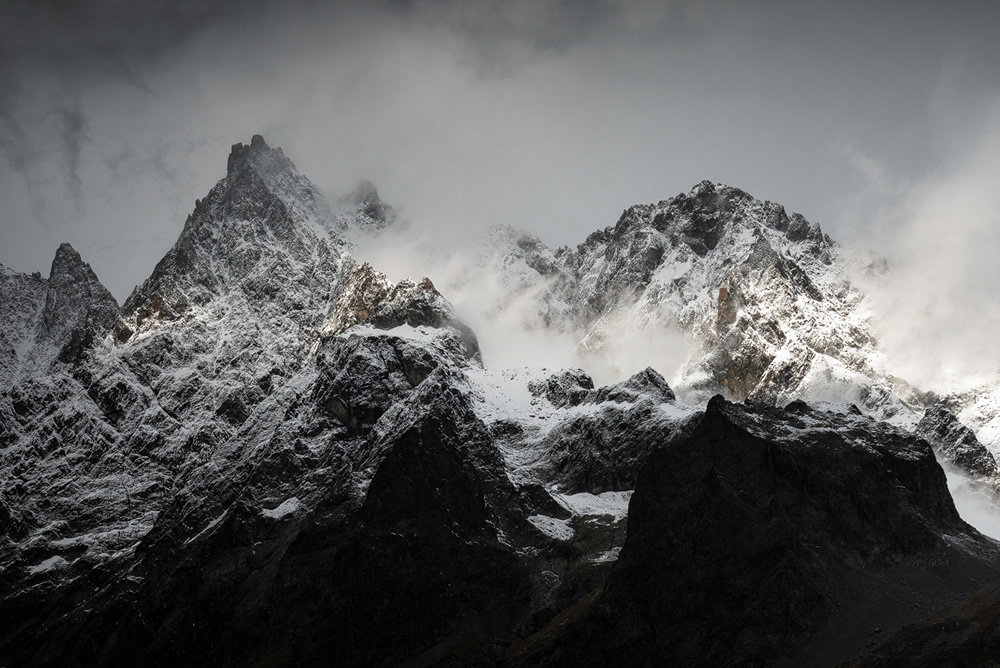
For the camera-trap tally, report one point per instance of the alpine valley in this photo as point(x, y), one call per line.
point(272, 455)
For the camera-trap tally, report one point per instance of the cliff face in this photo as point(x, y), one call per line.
point(763, 535)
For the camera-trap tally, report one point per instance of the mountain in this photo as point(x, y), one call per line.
point(765, 299)
point(272, 454)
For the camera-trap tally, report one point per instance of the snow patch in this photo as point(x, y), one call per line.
point(55, 563)
point(208, 529)
point(606, 503)
point(287, 507)
point(605, 557)
point(420, 333)
point(503, 395)
point(551, 527)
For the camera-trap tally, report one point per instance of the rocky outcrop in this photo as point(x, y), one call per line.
point(78, 307)
point(45, 320)
point(371, 299)
point(263, 232)
point(763, 536)
point(370, 214)
point(956, 443)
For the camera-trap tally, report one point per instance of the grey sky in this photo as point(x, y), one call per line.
point(549, 115)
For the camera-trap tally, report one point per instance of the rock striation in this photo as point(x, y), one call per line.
point(956, 443)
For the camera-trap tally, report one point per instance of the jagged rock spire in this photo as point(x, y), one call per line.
point(76, 303)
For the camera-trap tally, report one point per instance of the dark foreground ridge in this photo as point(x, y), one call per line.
point(765, 536)
point(755, 536)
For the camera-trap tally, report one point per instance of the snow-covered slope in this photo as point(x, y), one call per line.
point(105, 414)
point(260, 367)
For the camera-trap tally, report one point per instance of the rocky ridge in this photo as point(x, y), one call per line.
point(765, 298)
point(51, 318)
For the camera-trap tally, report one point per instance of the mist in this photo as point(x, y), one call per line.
point(975, 505)
point(507, 321)
point(936, 310)
point(878, 122)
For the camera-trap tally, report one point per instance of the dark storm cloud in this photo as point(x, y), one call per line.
point(115, 38)
point(81, 37)
point(55, 51)
point(52, 51)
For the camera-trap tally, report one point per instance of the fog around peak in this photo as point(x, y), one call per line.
point(936, 309)
point(877, 122)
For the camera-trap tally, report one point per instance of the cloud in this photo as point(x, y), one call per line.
point(506, 318)
point(73, 135)
point(937, 311)
point(500, 36)
point(974, 502)
point(877, 176)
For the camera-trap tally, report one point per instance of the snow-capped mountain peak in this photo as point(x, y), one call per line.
point(53, 318)
point(266, 414)
point(764, 299)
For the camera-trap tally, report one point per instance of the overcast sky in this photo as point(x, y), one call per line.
point(545, 114)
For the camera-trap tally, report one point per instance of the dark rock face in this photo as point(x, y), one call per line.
point(967, 634)
point(569, 387)
point(749, 534)
point(955, 442)
point(603, 447)
point(361, 377)
point(434, 560)
point(415, 568)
